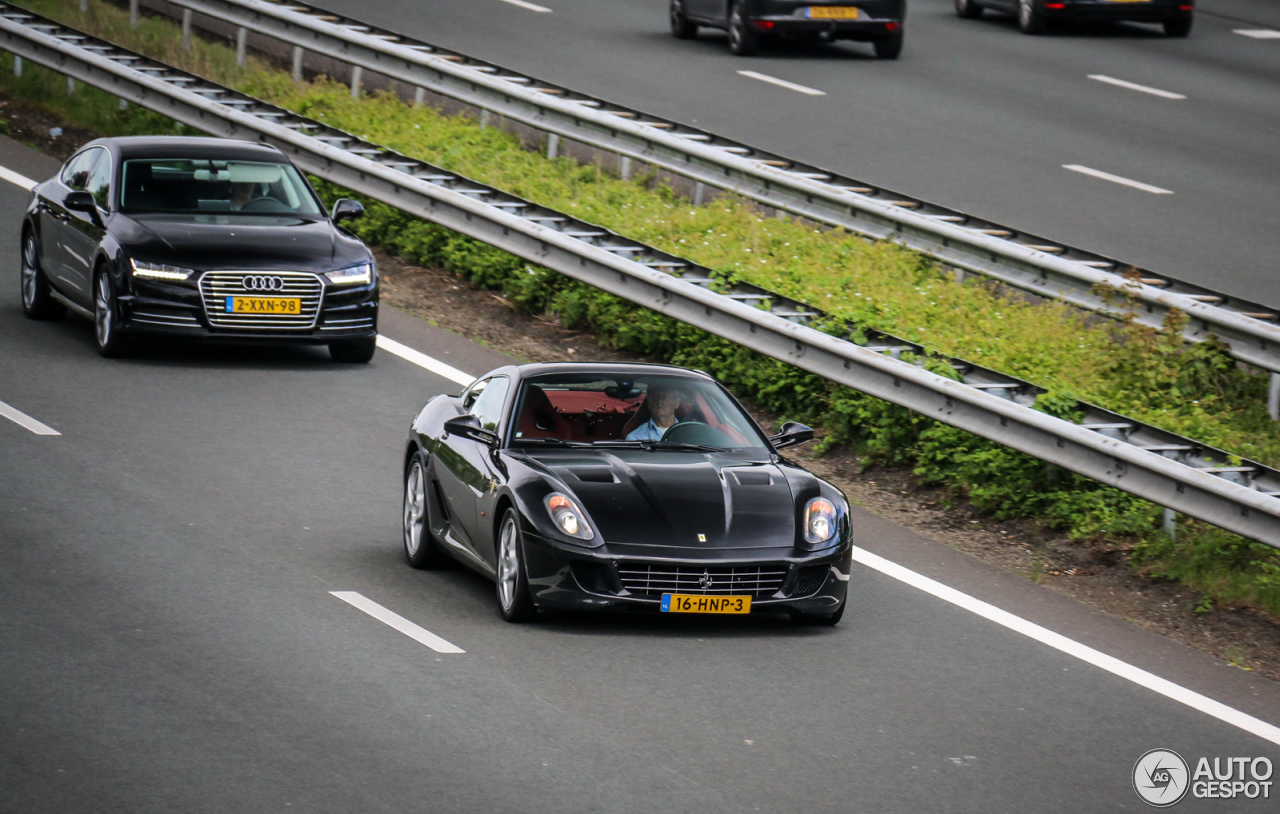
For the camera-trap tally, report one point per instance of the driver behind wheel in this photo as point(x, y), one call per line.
point(662, 401)
point(241, 193)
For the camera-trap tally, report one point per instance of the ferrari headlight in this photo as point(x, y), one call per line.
point(354, 275)
point(819, 520)
point(567, 516)
point(159, 271)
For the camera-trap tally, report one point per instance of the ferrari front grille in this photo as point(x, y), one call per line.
point(655, 579)
point(218, 287)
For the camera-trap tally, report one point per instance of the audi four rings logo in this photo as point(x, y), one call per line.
point(262, 283)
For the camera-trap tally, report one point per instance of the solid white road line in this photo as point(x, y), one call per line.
point(1259, 33)
point(14, 178)
point(529, 6)
point(782, 83)
point(422, 360)
point(395, 620)
point(1043, 635)
point(1111, 80)
point(1117, 179)
point(1085, 653)
point(23, 420)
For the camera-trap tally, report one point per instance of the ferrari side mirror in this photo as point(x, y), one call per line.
point(792, 433)
point(468, 426)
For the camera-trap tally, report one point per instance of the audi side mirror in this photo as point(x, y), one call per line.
point(346, 209)
point(80, 201)
point(468, 426)
point(791, 434)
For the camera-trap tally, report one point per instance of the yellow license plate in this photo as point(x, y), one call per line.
point(832, 13)
point(698, 603)
point(264, 305)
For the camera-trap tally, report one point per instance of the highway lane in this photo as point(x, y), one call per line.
point(169, 640)
point(974, 116)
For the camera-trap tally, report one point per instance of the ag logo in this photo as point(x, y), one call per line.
point(1161, 777)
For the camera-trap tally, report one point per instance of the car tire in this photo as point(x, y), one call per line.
point(106, 317)
point(819, 619)
point(681, 28)
point(1030, 20)
point(514, 600)
point(37, 295)
point(743, 42)
point(889, 47)
point(421, 548)
point(968, 9)
point(357, 352)
point(1180, 27)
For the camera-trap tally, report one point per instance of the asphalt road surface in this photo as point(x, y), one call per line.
point(169, 639)
point(974, 116)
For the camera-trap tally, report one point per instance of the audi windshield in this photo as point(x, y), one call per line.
point(203, 185)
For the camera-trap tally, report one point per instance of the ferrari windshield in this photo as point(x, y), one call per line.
point(665, 412)
point(214, 185)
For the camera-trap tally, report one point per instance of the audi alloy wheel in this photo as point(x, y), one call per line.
point(1030, 20)
point(37, 298)
point(743, 41)
point(105, 320)
point(681, 28)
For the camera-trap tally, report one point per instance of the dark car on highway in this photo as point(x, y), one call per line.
point(1035, 16)
point(197, 238)
point(626, 488)
point(878, 22)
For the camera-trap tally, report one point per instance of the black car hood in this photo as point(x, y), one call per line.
point(668, 499)
point(222, 241)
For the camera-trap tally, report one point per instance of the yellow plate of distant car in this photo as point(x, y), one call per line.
point(700, 603)
point(832, 13)
point(289, 306)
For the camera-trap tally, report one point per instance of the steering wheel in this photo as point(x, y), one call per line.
point(697, 432)
point(265, 203)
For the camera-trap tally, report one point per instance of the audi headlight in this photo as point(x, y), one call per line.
point(568, 518)
point(355, 275)
point(159, 271)
point(819, 520)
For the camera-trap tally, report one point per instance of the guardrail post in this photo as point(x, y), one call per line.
point(124, 103)
point(419, 96)
point(186, 29)
point(1273, 397)
point(84, 6)
point(484, 118)
point(357, 74)
point(699, 190)
point(553, 145)
point(71, 86)
point(1169, 523)
point(133, 13)
point(624, 168)
point(297, 63)
point(17, 65)
point(242, 34)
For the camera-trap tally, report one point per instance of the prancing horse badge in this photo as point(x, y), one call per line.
point(702, 538)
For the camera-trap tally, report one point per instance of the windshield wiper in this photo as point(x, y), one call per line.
point(553, 442)
point(656, 445)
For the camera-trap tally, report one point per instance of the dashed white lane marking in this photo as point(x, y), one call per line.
point(23, 420)
point(422, 360)
point(528, 6)
point(1111, 80)
point(1057, 641)
point(395, 620)
point(782, 83)
point(1117, 179)
point(1043, 635)
point(1259, 33)
point(14, 178)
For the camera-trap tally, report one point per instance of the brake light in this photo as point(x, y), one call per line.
point(892, 26)
point(763, 25)
point(1055, 6)
point(1187, 7)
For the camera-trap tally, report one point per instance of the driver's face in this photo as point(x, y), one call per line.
point(663, 405)
point(241, 192)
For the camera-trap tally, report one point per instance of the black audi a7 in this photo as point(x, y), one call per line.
point(197, 238)
point(622, 487)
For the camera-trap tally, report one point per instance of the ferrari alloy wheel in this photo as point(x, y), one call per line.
point(106, 324)
point(420, 546)
point(513, 583)
point(743, 41)
point(681, 28)
point(37, 299)
point(819, 619)
point(1030, 20)
point(968, 9)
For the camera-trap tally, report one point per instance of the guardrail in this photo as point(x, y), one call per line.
point(961, 241)
point(1153, 464)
